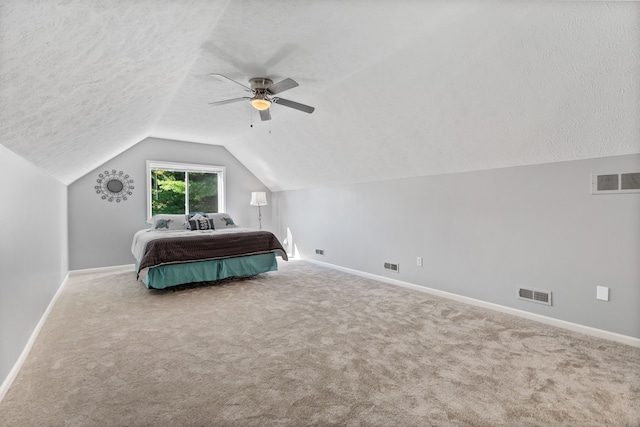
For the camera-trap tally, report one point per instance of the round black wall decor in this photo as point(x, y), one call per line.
point(114, 186)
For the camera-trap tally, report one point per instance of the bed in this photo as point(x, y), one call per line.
point(177, 249)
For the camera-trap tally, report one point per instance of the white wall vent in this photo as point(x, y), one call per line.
point(615, 183)
point(535, 295)
point(392, 267)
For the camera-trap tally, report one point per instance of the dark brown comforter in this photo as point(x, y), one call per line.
point(206, 247)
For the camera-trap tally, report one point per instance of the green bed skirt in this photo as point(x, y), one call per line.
point(204, 271)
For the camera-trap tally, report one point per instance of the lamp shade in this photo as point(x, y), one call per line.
point(258, 198)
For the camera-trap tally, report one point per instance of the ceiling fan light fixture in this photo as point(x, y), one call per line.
point(260, 104)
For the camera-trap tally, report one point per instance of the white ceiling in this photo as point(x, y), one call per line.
point(401, 88)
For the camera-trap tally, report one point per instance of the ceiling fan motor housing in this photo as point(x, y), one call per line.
point(260, 83)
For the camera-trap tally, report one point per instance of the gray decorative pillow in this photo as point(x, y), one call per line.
point(195, 215)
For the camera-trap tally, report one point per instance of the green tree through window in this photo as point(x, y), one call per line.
point(203, 192)
point(177, 190)
point(168, 191)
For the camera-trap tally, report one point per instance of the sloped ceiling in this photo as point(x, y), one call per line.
point(401, 88)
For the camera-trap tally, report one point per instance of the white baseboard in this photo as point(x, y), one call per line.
point(131, 267)
point(588, 330)
point(4, 388)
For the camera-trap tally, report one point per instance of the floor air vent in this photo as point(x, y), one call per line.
point(535, 295)
point(392, 267)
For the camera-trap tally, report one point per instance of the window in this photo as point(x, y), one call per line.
point(178, 188)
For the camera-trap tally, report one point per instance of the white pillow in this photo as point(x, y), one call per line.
point(168, 222)
point(221, 220)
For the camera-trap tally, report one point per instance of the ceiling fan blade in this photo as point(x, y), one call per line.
point(265, 115)
point(293, 104)
point(285, 84)
point(248, 89)
point(229, 101)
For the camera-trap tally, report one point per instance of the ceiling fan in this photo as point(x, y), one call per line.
point(262, 92)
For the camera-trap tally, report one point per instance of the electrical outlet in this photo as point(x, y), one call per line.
point(419, 261)
point(320, 252)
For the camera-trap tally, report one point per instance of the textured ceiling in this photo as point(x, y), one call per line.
point(401, 89)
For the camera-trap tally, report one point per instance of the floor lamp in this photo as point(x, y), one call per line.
point(259, 198)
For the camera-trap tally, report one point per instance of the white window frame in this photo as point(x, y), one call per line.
point(187, 167)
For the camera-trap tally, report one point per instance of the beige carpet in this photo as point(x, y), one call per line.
point(309, 346)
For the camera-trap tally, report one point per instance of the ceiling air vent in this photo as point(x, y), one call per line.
point(615, 183)
point(535, 295)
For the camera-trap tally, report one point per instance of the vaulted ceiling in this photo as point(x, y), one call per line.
point(401, 88)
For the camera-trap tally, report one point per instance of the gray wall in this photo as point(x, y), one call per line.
point(33, 251)
point(483, 234)
point(100, 232)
